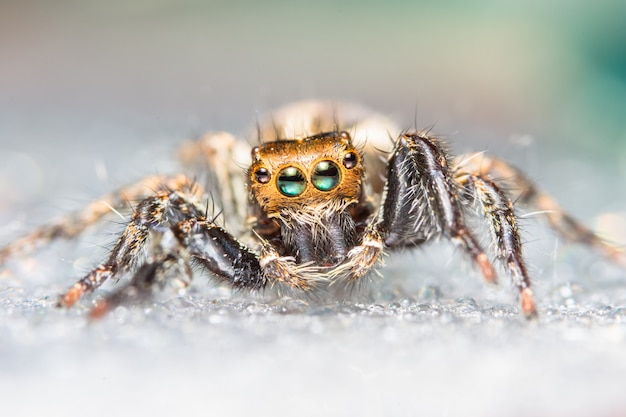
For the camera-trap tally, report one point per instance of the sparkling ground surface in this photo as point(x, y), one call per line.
point(429, 339)
point(199, 355)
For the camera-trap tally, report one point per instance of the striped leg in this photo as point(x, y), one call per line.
point(149, 215)
point(72, 225)
point(499, 213)
point(422, 200)
point(563, 223)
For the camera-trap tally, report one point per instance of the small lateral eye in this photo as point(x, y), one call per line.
point(350, 160)
point(262, 175)
point(325, 176)
point(291, 182)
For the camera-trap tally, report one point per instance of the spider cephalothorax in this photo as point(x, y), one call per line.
point(313, 220)
point(294, 175)
point(307, 186)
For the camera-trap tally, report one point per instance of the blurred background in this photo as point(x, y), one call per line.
point(94, 84)
point(96, 94)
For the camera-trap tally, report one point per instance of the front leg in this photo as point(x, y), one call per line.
point(172, 249)
point(220, 253)
point(235, 264)
point(173, 246)
point(420, 202)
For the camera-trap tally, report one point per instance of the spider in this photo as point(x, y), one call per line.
point(325, 200)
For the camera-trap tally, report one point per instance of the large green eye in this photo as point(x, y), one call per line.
point(325, 176)
point(291, 182)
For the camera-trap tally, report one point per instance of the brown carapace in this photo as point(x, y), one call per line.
point(305, 174)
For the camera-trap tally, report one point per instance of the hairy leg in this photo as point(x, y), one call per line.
point(528, 194)
point(197, 238)
point(73, 224)
point(223, 159)
point(421, 201)
point(499, 213)
point(150, 214)
point(166, 261)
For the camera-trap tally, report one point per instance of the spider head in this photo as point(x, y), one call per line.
point(301, 174)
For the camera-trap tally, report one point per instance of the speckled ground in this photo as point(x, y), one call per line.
point(449, 348)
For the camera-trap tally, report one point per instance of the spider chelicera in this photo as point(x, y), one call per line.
point(304, 215)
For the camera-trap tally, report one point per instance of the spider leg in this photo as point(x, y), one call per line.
point(222, 157)
point(235, 264)
point(563, 223)
point(167, 261)
point(149, 214)
point(72, 225)
point(204, 241)
point(420, 202)
point(499, 212)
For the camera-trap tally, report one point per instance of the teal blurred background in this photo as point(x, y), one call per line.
point(556, 69)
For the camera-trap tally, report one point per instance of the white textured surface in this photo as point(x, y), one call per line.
point(435, 342)
point(247, 358)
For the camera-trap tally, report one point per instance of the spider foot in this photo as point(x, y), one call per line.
point(363, 257)
point(93, 280)
point(285, 270)
point(74, 294)
point(125, 296)
point(528, 304)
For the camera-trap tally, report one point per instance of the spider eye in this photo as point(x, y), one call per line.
point(262, 175)
point(291, 182)
point(350, 160)
point(325, 176)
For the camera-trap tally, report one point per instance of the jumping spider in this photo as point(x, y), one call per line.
point(314, 217)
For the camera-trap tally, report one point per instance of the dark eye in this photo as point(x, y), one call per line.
point(262, 175)
point(291, 182)
point(326, 176)
point(350, 160)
